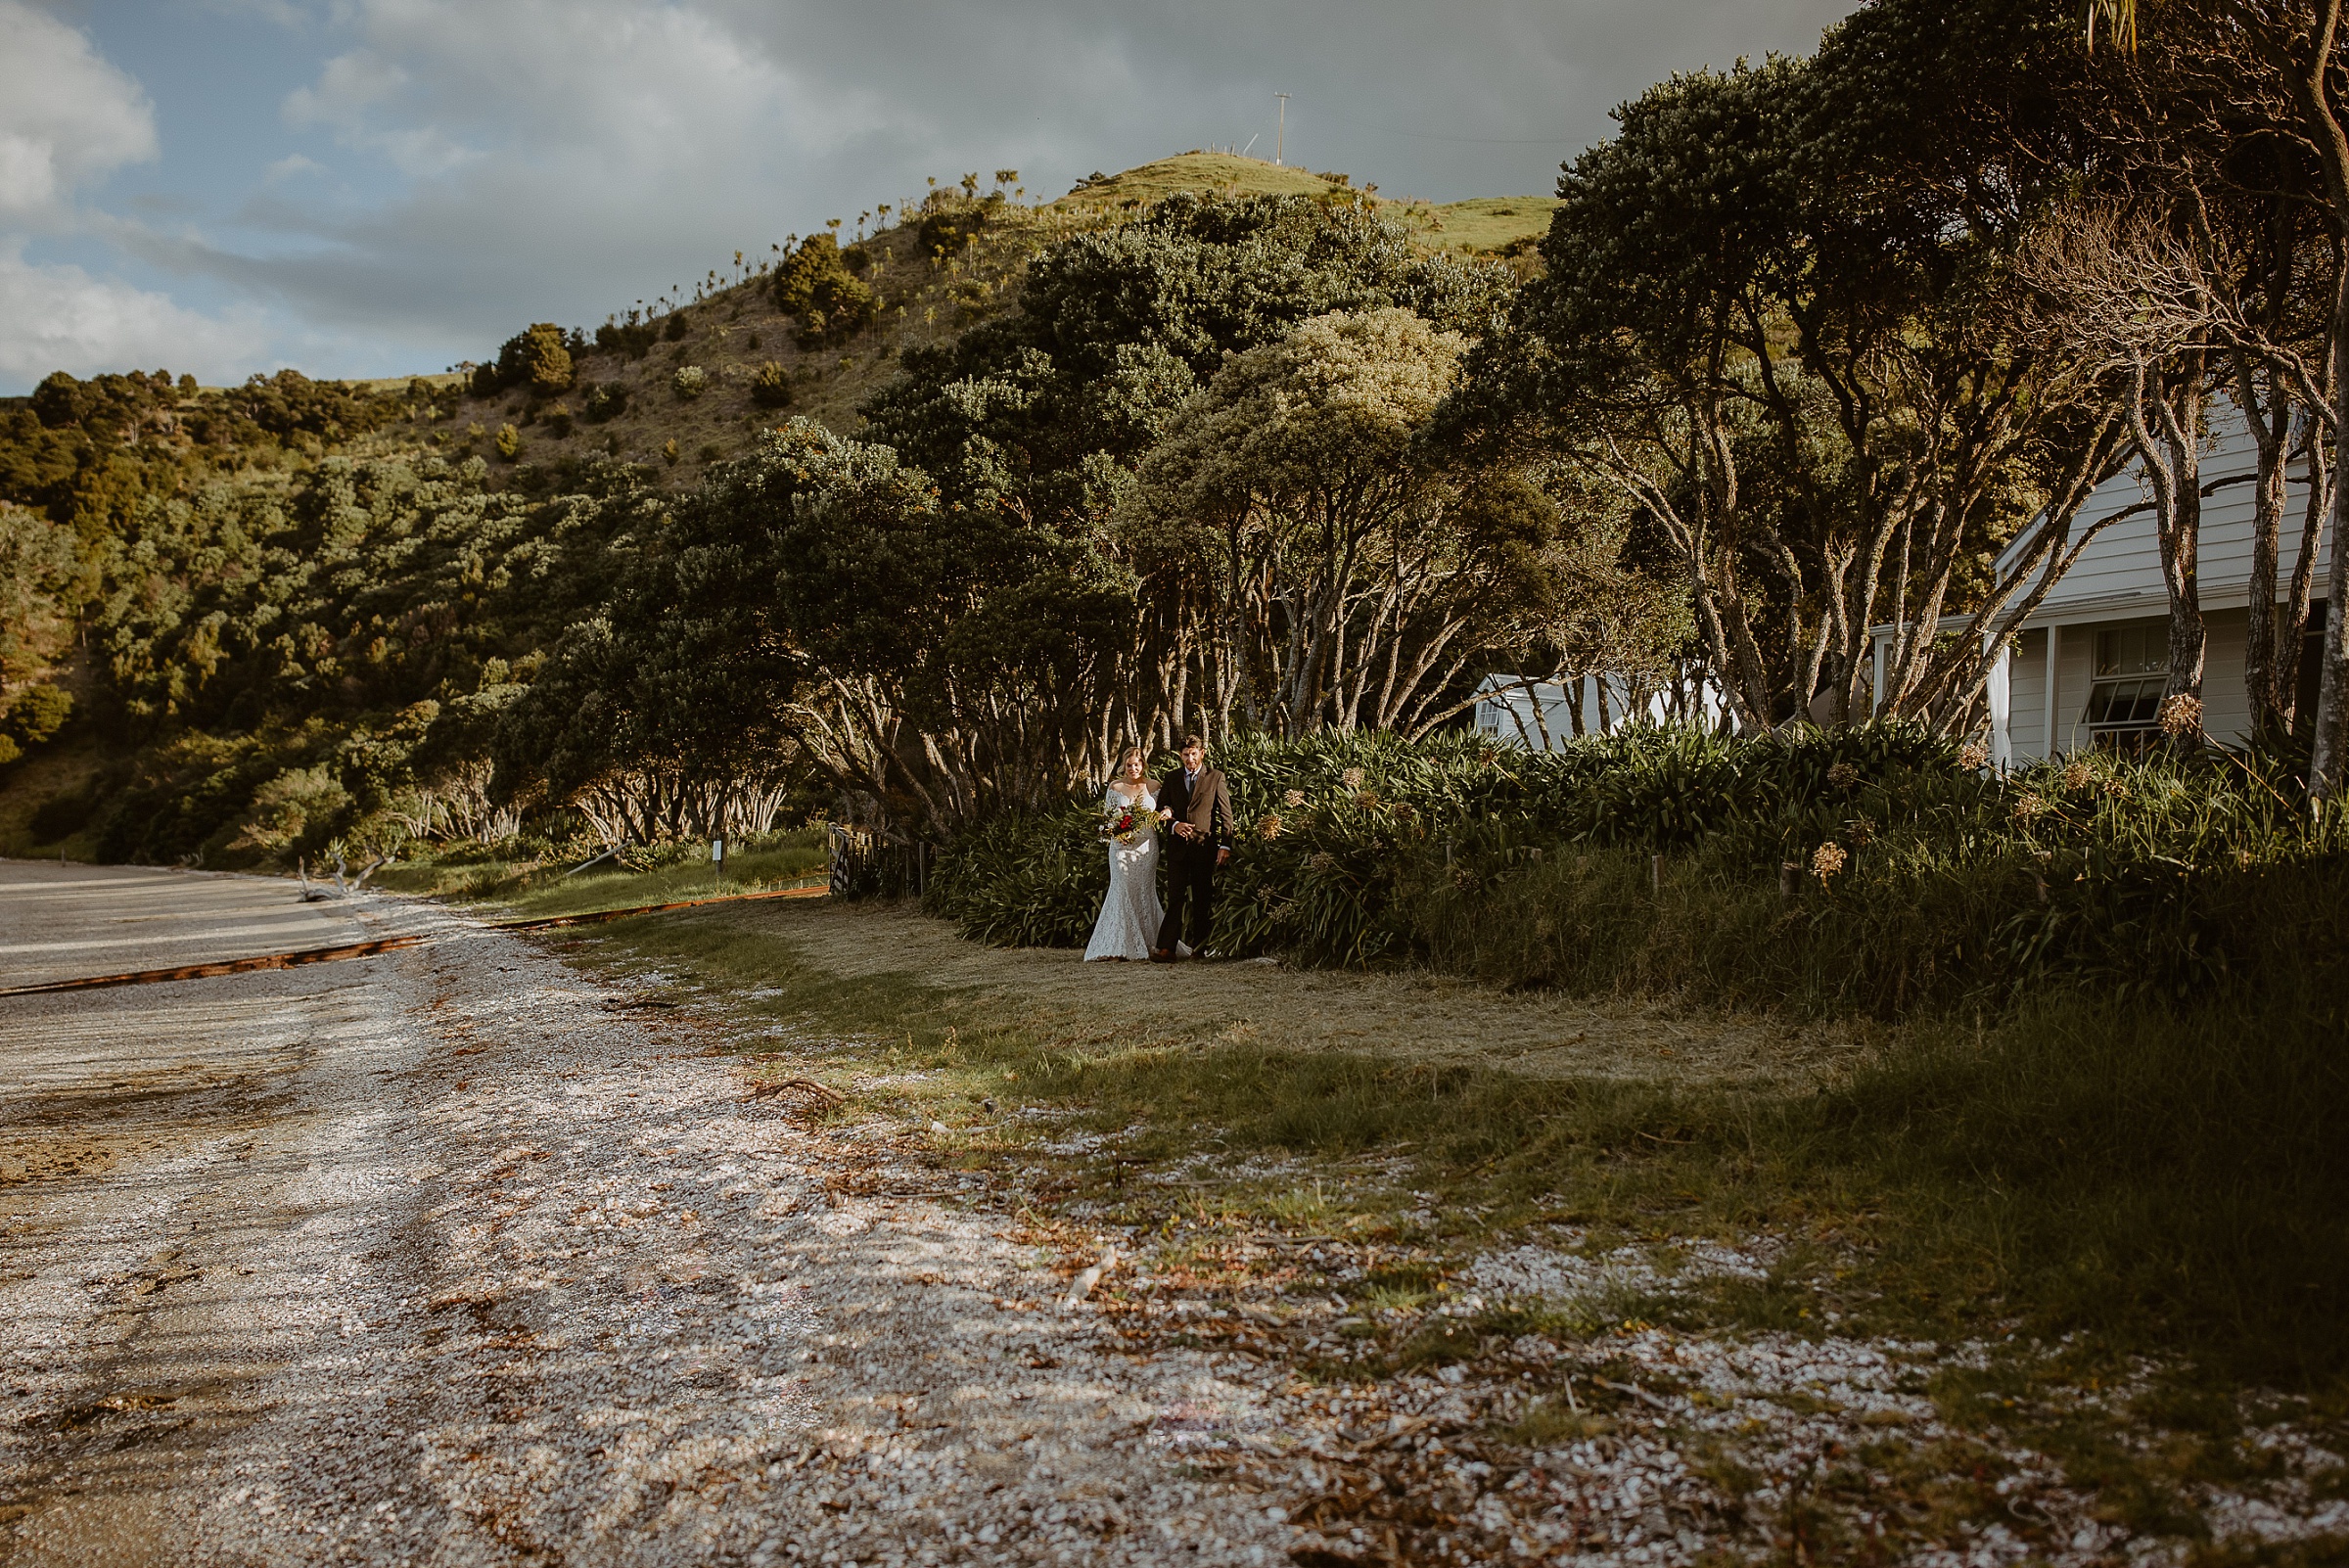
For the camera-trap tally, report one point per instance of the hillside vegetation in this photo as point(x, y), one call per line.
point(289, 614)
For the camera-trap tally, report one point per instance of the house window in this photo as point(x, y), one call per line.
point(2132, 674)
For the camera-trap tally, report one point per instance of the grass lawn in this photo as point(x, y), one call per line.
point(527, 889)
point(1486, 223)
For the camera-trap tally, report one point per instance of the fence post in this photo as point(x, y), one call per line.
point(1655, 873)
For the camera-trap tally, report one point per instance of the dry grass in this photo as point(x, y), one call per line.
point(1403, 1017)
point(1484, 224)
point(1203, 173)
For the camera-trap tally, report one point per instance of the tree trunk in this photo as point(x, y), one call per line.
point(2269, 690)
point(2325, 761)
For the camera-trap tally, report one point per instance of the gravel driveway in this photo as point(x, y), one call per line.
point(456, 1254)
point(452, 1256)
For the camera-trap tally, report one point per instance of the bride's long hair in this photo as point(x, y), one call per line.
point(1129, 755)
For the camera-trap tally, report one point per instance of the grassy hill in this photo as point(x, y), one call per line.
point(1484, 225)
point(129, 496)
point(735, 329)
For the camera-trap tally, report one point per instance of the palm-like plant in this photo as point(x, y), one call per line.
point(2120, 22)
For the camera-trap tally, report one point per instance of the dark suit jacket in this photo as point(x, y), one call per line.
point(1206, 805)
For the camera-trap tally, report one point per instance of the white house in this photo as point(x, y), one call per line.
point(1544, 715)
point(2088, 667)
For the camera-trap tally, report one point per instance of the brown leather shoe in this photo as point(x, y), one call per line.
point(1161, 955)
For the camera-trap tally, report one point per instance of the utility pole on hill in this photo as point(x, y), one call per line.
point(1280, 137)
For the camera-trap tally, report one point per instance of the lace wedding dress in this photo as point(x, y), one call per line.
point(1130, 913)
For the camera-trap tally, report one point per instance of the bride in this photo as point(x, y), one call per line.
point(1130, 913)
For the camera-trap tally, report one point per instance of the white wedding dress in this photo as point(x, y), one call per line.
point(1131, 915)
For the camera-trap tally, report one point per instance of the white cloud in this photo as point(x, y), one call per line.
point(61, 318)
point(66, 116)
point(451, 169)
point(288, 167)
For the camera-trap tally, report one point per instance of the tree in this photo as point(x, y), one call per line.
point(1332, 572)
point(536, 360)
point(2287, 51)
point(1777, 314)
point(37, 561)
point(815, 285)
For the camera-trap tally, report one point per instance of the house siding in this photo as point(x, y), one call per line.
point(2225, 704)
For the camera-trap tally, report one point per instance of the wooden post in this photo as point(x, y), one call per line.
point(1655, 873)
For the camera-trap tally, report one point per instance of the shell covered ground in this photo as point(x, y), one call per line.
point(491, 1250)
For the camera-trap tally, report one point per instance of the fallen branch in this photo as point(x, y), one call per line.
point(800, 1089)
point(1636, 1390)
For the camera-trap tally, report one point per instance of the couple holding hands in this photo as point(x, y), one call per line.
point(1196, 805)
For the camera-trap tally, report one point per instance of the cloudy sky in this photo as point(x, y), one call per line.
point(373, 187)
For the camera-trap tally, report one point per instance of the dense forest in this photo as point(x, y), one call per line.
point(919, 524)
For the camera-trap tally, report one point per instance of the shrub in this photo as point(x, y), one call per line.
point(508, 442)
point(815, 285)
point(677, 325)
point(536, 360)
point(558, 420)
point(771, 388)
point(295, 813)
point(38, 713)
point(2168, 879)
point(634, 338)
point(669, 454)
point(947, 233)
point(64, 814)
point(690, 381)
point(606, 400)
point(59, 401)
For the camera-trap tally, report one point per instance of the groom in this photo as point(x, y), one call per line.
point(1201, 807)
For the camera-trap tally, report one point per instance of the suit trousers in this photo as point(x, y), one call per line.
point(1191, 881)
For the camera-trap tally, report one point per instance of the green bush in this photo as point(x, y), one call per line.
point(606, 400)
point(690, 381)
point(37, 714)
point(1025, 881)
point(815, 284)
point(64, 814)
point(948, 233)
point(633, 338)
point(536, 358)
point(1867, 871)
point(770, 387)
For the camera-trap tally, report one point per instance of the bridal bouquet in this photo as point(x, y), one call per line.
point(1130, 823)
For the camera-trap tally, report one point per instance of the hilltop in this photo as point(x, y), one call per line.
point(1482, 225)
point(931, 274)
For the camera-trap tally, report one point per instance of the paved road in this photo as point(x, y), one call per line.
point(452, 1256)
point(61, 922)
